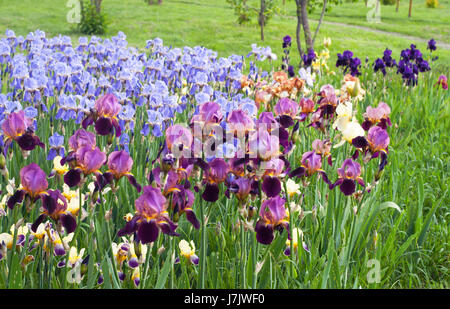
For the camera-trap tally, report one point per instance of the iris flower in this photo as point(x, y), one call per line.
point(120, 164)
point(297, 235)
point(273, 217)
point(151, 217)
point(187, 250)
point(286, 110)
point(311, 164)
point(105, 113)
point(347, 124)
point(55, 206)
point(377, 116)
point(34, 185)
point(88, 161)
point(349, 175)
point(18, 127)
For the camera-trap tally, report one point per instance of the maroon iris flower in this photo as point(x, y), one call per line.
point(242, 187)
point(311, 164)
point(215, 174)
point(328, 100)
point(17, 127)
point(267, 119)
point(150, 218)
point(349, 175)
point(377, 141)
point(88, 161)
point(286, 110)
point(55, 206)
point(323, 148)
point(105, 114)
point(264, 145)
point(181, 203)
point(34, 185)
point(271, 185)
point(375, 145)
point(273, 217)
point(81, 138)
point(442, 81)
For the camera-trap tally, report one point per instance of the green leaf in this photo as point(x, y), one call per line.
point(164, 273)
point(426, 226)
point(393, 205)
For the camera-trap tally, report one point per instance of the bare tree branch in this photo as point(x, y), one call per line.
point(320, 21)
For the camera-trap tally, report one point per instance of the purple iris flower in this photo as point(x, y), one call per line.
point(55, 206)
point(120, 164)
point(349, 63)
point(309, 58)
point(287, 41)
point(87, 160)
point(18, 127)
point(216, 173)
point(56, 143)
point(349, 175)
point(379, 66)
point(273, 217)
point(311, 164)
point(107, 109)
point(34, 185)
point(286, 109)
point(432, 45)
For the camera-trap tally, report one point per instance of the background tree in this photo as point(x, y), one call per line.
point(93, 21)
point(263, 10)
point(303, 8)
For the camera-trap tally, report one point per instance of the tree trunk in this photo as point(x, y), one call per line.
point(98, 5)
point(410, 8)
point(377, 10)
point(261, 18)
point(305, 24)
point(398, 3)
point(299, 29)
point(320, 21)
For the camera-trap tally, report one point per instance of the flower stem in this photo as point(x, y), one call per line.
point(203, 248)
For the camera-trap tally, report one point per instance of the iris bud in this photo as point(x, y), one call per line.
point(2, 161)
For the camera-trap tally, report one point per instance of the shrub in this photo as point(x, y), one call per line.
point(432, 4)
point(93, 21)
point(388, 2)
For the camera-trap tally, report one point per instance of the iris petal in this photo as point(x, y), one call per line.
point(211, 193)
point(103, 126)
point(72, 178)
point(271, 186)
point(264, 233)
point(348, 186)
point(69, 223)
point(148, 231)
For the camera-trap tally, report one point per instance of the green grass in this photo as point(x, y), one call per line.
point(424, 22)
point(213, 24)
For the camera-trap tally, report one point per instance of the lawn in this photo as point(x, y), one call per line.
point(212, 23)
point(410, 238)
